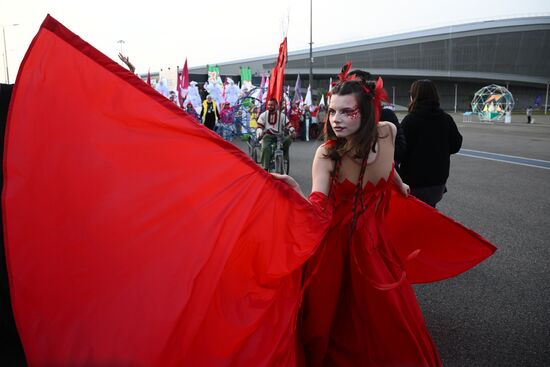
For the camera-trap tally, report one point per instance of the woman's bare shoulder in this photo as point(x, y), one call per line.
point(385, 127)
point(323, 150)
point(322, 157)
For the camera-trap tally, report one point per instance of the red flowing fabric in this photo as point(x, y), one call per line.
point(359, 307)
point(432, 246)
point(135, 236)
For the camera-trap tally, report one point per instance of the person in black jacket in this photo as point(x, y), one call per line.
point(11, 350)
point(432, 136)
point(387, 114)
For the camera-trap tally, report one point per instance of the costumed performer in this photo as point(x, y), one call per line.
point(359, 307)
point(231, 92)
point(226, 127)
point(214, 88)
point(194, 97)
point(210, 113)
point(145, 226)
point(162, 88)
point(270, 123)
point(192, 112)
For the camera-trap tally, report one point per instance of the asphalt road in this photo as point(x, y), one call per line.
point(497, 314)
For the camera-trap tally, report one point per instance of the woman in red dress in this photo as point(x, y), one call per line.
point(359, 307)
point(132, 233)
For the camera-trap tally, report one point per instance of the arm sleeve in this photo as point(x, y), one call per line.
point(409, 135)
point(400, 141)
point(400, 144)
point(261, 120)
point(455, 142)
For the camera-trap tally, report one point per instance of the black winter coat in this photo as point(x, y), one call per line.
point(400, 142)
point(11, 350)
point(432, 136)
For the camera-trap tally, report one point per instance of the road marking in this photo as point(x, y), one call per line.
point(537, 163)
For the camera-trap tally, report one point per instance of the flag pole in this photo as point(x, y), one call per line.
point(310, 43)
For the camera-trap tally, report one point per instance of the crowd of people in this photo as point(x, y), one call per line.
point(230, 119)
point(424, 139)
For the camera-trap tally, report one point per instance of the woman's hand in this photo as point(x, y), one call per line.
point(289, 181)
point(404, 189)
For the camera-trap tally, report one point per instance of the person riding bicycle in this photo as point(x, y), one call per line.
point(270, 122)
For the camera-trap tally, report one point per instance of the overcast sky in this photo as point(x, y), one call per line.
point(164, 32)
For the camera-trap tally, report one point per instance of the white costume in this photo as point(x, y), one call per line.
point(231, 92)
point(194, 97)
point(162, 88)
point(215, 90)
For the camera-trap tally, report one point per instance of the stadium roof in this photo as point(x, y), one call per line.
point(516, 49)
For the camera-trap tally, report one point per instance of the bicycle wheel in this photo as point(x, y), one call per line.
point(287, 166)
point(279, 168)
point(258, 153)
point(254, 154)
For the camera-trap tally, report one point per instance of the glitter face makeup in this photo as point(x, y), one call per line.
point(352, 114)
point(344, 115)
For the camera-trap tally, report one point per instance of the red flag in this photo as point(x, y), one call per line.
point(178, 86)
point(149, 76)
point(277, 77)
point(183, 84)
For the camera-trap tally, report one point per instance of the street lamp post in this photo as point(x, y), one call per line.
point(456, 95)
point(546, 103)
point(121, 42)
point(6, 50)
point(311, 44)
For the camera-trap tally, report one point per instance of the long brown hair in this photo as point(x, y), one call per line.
point(360, 144)
point(364, 140)
point(423, 94)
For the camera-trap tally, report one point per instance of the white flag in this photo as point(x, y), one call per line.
point(308, 100)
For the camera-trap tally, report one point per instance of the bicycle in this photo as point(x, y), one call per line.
point(254, 145)
point(279, 164)
point(226, 131)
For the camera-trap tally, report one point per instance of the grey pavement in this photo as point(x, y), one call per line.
point(497, 314)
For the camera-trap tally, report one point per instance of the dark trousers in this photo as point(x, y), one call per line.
point(313, 131)
point(210, 121)
point(269, 141)
point(431, 195)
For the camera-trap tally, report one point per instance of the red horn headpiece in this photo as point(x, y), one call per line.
point(378, 95)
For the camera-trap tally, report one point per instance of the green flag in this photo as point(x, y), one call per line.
point(213, 73)
point(246, 74)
